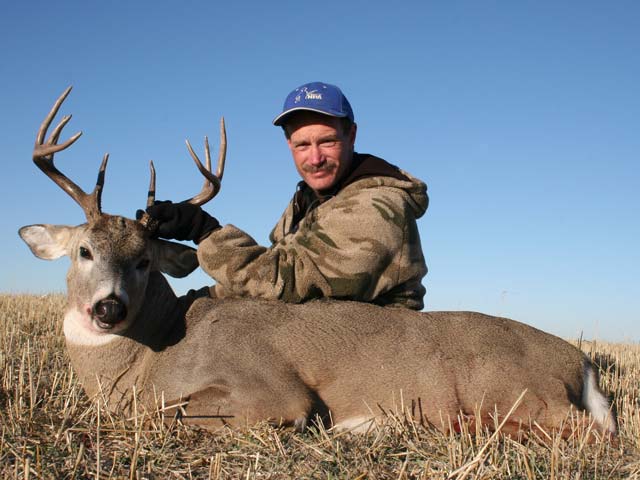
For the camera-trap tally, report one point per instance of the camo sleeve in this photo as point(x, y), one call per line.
point(354, 247)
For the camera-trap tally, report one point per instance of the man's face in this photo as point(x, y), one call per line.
point(321, 150)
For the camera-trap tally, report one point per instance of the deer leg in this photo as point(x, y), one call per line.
point(216, 407)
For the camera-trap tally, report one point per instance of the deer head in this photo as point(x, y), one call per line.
point(113, 258)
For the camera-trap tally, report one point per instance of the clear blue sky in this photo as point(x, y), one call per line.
point(522, 117)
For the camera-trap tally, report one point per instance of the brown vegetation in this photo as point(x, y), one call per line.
point(51, 429)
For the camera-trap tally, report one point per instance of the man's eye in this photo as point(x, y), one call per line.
point(85, 253)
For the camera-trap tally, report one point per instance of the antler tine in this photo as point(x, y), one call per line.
point(49, 118)
point(147, 220)
point(43, 153)
point(151, 195)
point(96, 195)
point(222, 153)
point(212, 183)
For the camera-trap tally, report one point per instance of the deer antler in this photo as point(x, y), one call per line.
point(43, 153)
point(212, 181)
point(211, 185)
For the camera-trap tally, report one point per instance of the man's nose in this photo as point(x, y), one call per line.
point(315, 155)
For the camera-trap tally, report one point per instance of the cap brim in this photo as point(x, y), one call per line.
point(279, 120)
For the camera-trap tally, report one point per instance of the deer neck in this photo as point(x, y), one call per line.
point(161, 322)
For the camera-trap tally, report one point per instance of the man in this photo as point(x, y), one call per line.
point(348, 233)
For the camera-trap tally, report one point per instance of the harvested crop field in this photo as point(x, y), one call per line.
point(51, 429)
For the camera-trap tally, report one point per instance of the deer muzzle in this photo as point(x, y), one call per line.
point(108, 312)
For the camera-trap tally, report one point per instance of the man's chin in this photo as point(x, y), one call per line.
point(321, 183)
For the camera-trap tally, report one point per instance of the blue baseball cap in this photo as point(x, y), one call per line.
point(317, 97)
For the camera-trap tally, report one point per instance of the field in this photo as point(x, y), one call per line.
point(51, 429)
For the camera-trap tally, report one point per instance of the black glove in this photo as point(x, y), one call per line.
point(181, 221)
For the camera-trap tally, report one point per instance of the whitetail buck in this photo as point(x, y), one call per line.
point(240, 361)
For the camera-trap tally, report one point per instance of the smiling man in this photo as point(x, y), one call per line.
point(348, 233)
point(322, 148)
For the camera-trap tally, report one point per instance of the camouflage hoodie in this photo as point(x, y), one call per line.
point(359, 243)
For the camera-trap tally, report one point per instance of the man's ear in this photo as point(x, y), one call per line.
point(48, 241)
point(174, 259)
point(352, 134)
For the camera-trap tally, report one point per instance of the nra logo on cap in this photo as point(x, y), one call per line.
point(308, 95)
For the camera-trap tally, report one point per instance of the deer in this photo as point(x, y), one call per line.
point(236, 362)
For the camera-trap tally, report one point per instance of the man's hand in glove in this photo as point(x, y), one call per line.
point(180, 221)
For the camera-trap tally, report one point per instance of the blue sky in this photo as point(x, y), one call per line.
point(522, 117)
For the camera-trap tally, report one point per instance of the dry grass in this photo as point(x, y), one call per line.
point(50, 429)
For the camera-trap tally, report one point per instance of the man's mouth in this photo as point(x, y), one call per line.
point(322, 170)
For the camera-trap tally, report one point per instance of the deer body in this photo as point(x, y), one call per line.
point(240, 361)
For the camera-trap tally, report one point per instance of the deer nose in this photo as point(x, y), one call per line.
point(109, 311)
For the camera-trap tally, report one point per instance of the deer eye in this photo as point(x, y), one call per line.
point(85, 253)
point(143, 264)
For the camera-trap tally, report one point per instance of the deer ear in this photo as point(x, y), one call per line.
point(175, 259)
point(47, 241)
